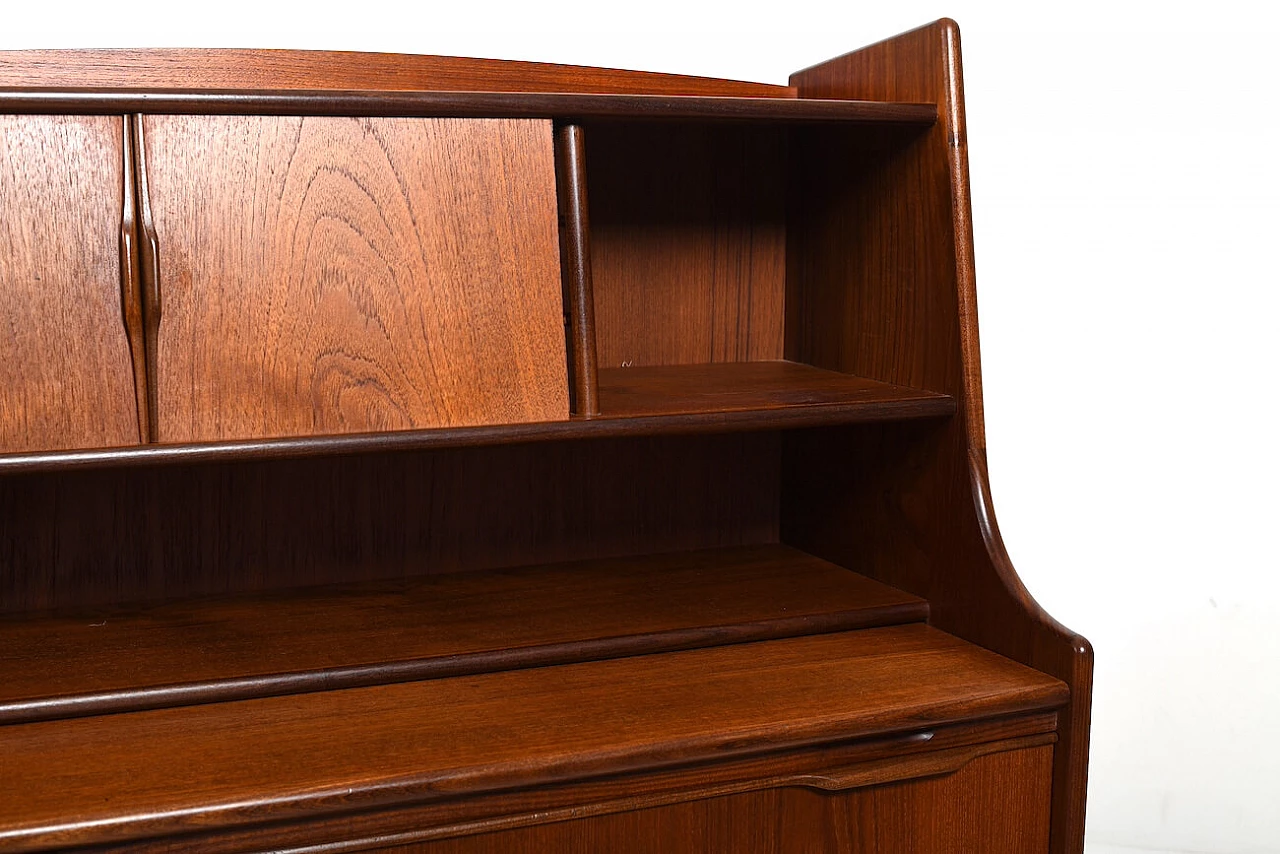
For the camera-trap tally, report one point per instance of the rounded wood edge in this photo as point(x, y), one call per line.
point(231, 68)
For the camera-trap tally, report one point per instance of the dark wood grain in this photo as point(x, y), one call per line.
point(934, 816)
point(671, 400)
point(749, 387)
point(66, 377)
point(660, 108)
point(95, 538)
point(575, 264)
point(315, 69)
point(882, 284)
point(688, 240)
point(326, 275)
point(849, 764)
point(349, 635)
point(343, 750)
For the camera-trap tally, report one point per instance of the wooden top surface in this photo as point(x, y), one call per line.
point(112, 777)
point(316, 69)
point(361, 634)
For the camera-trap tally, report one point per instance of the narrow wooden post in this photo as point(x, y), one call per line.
point(575, 259)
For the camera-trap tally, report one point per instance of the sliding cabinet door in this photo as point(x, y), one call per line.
point(66, 374)
point(338, 275)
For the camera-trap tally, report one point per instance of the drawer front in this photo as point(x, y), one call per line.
point(325, 275)
point(996, 804)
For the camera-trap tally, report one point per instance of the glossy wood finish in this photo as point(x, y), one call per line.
point(688, 243)
point(97, 538)
point(66, 376)
point(475, 734)
point(132, 232)
point(786, 388)
point(326, 275)
point(347, 635)
point(575, 267)
point(464, 105)
point(148, 277)
point(315, 69)
point(737, 693)
point(834, 767)
point(881, 277)
point(664, 401)
point(932, 816)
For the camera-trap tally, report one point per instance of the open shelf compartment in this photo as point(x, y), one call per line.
point(435, 626)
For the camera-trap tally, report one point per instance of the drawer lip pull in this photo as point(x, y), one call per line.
point(131, 287)
point(149, 274)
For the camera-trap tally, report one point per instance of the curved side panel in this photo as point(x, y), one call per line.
point(881, 284)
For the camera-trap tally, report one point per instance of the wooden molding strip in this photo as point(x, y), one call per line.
point(461, 104)
point(632, 407)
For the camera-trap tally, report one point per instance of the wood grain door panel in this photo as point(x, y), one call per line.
point(335, 275)
point(66, 375)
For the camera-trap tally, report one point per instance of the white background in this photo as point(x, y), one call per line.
point(1126, 202)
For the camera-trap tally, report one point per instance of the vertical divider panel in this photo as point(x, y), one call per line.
point(575, 254)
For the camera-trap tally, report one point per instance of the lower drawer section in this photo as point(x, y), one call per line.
point(995, 804)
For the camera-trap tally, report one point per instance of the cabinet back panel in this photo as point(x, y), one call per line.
point(688, 242)
point(872, 258)
point(66, 375)
point(103, 537)
point(336, 275)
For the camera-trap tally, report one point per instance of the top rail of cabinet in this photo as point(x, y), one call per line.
point(565, 106)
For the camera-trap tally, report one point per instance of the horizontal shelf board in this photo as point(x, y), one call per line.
point(317, 755)
point(463, 104)
point(705, 399)
point(733, 387)
point(435, 626)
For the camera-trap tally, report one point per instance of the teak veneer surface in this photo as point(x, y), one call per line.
point(930, 816)
point(745, 387)
point(840, 767)
point(66, 373)
point(311, 754)
point(688, 251)
point(316, 69)
point(325, 638)
point(97, 539)
point(340, 275)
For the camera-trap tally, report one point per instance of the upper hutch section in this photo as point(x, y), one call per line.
point(281, 253)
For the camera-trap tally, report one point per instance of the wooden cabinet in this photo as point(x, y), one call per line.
point(428, 454)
